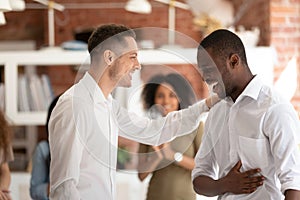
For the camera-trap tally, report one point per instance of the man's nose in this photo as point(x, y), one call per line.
point(137, 64)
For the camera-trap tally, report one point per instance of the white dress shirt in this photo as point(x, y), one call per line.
point(261, 130)
point(84, 129)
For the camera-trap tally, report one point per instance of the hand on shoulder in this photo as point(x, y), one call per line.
point(212, 100)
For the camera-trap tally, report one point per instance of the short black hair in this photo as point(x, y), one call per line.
point(183, 90)
point(223, 44)
point(108, 33)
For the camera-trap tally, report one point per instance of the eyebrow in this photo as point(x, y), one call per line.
point(133, 54)
point(129, 53)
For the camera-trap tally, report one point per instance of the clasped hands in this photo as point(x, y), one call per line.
point(4, 195)
point(164, 151)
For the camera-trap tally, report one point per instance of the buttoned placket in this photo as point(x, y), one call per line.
point(112, 151)
point(233, 135)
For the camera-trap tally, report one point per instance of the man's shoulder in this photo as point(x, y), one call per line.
point(276, 105)
point(218, 112)
point(75, 94)
point(223, 104)
point(272, 96)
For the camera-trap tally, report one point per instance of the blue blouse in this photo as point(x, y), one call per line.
point(40, 172)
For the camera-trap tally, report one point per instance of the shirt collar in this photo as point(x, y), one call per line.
point(94, 90)
point(252, 89)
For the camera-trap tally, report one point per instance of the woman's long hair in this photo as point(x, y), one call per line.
point(5, 135)
point(182, 88)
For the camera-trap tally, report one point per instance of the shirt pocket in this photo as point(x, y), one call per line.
point(254, 153)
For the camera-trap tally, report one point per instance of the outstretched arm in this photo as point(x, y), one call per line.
point(235, 182)
point(161, 130)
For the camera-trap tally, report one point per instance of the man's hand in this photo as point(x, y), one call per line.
point(242, 182)
point(212, 100)
point(235, 182)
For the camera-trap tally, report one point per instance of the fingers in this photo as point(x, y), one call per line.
point(156, 148)
point(158, 152)
point(166, 144)
point(3, 196)
point(237, 166)
point(244, 182)
point(252, 172)
point(255, 179)
point(251, 187)
point(249, 190)
point(252, 180)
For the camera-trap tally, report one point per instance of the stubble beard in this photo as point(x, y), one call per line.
point(120, 81)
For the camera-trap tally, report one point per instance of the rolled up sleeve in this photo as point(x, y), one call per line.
point(283, 129)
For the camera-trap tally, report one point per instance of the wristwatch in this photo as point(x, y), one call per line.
point(178, 157)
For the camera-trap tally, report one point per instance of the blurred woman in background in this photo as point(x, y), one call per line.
point(171, 163)
point(6, 155)
point(39, 182)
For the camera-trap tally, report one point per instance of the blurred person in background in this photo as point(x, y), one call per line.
point(171, 163)
point(39, 181)
point(6, 155)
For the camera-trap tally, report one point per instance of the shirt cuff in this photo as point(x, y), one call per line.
point(294, 185)
point(66, 190)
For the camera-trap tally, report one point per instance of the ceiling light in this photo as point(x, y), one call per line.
point(51, 20)
point(138, 6)
point(5, 6)
point(17, 5)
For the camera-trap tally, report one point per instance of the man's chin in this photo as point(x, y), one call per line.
point(124, 84)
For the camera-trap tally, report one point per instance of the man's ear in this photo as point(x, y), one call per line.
point(108, 57)
point(234, 60)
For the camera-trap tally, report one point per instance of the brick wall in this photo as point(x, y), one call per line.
point(285, 37)
point(32, 24)
point(254, 13)
point(278, 21)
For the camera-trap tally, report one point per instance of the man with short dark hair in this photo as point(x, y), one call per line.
point(249, 149)
point(86, 122)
